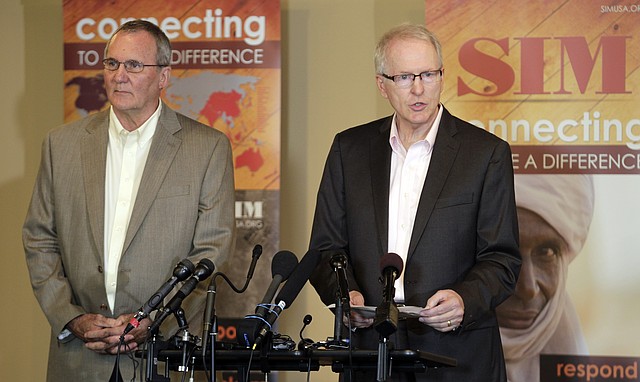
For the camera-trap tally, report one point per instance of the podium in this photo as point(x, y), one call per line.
point(340, 360)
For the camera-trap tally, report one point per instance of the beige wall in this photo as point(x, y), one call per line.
point(327, 86)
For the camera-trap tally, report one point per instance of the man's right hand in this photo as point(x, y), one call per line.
point(357, 320)
point(100, 334)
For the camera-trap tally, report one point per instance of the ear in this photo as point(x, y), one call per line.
point(165, 75)
point(381, 86)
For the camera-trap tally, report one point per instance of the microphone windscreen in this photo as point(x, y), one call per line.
point(283, 264)
point(204, 269)
point(391, 260)
point(299, 277)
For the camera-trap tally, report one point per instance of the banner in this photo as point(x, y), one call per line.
point(559, 81)
point(226, 74)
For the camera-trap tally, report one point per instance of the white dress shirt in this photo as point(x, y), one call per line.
point(408, 172)
point(127, 154)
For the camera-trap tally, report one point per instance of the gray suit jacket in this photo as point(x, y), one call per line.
point(184, 208)
point(465, 236)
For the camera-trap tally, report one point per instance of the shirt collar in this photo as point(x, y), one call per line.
point(144, 132)
point(430, 139)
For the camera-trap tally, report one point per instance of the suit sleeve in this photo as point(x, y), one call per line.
point(214, 235)
point(42, 250)
point(214, 231)
point(493, 278)
point(329, 231)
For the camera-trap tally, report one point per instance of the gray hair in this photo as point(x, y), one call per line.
point(163, 46)
point(404, 31)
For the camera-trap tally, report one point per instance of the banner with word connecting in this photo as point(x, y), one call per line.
point(560, 81)
point(225, 73)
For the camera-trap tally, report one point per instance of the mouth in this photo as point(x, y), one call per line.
point(418, 106)
point(120, 91)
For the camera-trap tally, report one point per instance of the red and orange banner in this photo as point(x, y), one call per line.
point(226, 74)
point(560, 81)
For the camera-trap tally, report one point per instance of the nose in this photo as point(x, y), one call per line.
point(120, 74)
point(527, 286)
point(417, 87)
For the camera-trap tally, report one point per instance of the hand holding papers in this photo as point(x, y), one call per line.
point(370, 311)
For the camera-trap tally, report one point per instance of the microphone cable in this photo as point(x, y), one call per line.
point(255, 255)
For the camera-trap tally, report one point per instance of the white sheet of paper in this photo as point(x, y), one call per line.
point(370, 311)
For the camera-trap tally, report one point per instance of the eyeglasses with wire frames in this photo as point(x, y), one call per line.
point(131, 66)
point(405, 80)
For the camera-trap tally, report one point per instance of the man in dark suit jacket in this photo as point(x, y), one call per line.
point(438, 192)
point(121, 197)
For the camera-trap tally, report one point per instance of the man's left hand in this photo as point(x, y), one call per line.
point(107, 340)
point(444, 311)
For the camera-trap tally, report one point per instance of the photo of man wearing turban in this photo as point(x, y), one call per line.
point(554, 215)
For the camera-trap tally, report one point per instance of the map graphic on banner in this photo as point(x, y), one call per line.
point(223, 101)
point(560, 81)
point(226, 74)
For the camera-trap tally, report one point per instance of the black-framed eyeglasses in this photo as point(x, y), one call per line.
point(131, 66)
point(405, 80)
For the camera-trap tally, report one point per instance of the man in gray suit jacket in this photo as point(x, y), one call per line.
point(438, 192)
point(120, 198)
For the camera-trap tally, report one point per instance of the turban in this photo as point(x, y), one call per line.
point(563, 201)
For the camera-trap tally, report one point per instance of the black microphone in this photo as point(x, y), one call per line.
point(180, 273)
point(386, 321)
point(288, 293)
point(305, 343)
point(339, 265)
point(203, 270)
point(282, 265)
point(208, 318)
point(255, 255)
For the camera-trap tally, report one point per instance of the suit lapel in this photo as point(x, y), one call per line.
point(444, 154)
point(94, 158)
point(163, 149)
point(380, 159)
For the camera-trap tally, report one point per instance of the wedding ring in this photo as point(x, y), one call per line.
point(449, 323)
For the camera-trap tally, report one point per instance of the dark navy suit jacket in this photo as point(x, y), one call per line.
point(465, 236)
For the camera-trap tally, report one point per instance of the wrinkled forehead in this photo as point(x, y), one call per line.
point(412, 52)
point(137, 44)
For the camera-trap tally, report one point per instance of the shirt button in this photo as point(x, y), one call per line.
point(103, 307)
point(100, 270)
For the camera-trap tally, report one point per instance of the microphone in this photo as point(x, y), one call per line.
point(180, 273)
point(208, 317)
point(203, 270)
point(339, 265)
point(255, 255)
point(305, 343)
point(288, 293)
point(386, 321)
point(282, 265)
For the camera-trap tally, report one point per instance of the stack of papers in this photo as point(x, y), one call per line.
point(370, 311)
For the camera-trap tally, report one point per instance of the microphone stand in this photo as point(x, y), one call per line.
point(210, 319)
point(184, 339)
point(153, 347)
point(386, 323)
point(213, 333)
point(342, 306)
